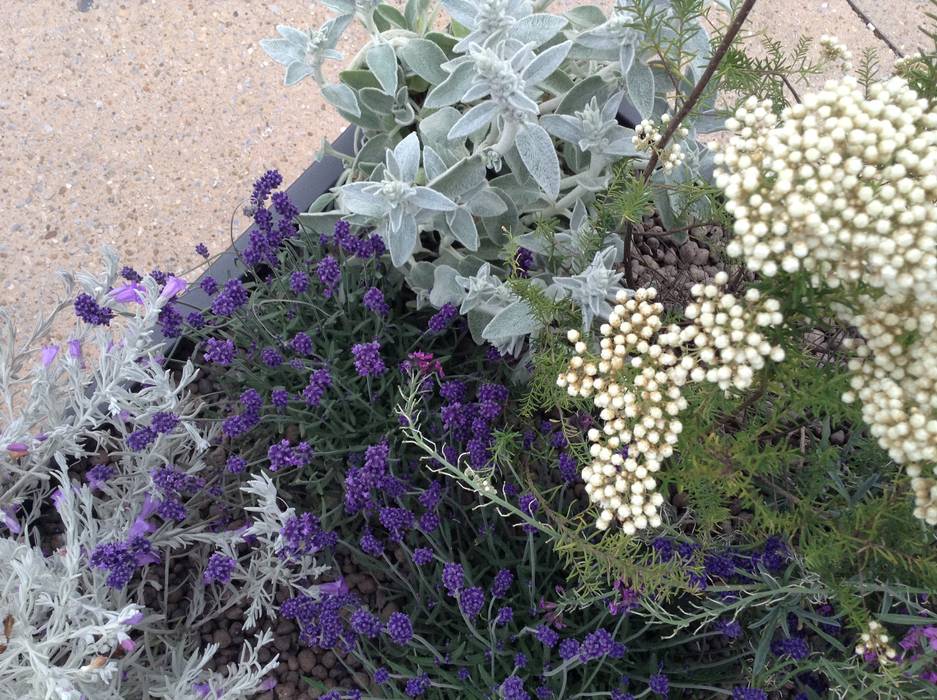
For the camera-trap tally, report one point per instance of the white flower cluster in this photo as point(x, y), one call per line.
point(726, 332)
point(845, 188)
point(835, 50)
point(637, 385)
point(647, 136)
point(875, 642)
point(638, 393)
point(906, 64)
point(895, 378)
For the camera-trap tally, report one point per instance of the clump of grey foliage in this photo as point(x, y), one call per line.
point(64, 632)
point(471, 135)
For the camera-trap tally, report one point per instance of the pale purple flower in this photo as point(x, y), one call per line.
point(128, 294)
point(47, 355)
point(174, 286)
point(7, 514)
point(74, 349)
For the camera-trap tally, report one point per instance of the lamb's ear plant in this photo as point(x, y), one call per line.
point(469, 136)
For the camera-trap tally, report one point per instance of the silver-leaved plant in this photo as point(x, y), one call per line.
point(472, 134)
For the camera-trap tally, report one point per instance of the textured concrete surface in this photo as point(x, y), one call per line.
point(141, 123)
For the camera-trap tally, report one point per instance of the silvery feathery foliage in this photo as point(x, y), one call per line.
point(64, 616)
point(516, 119)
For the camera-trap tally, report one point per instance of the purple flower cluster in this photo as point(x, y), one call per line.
point(502, 583)
point(417, 686)
point(365, 623)
point(230, 299)
point(471, 602)
point(271, 357)
point(374, 302)
point(794, 647)
point(219, 569)
point(303, 534)
point(363, 248)
point(470, 423)
point(89, 311)
point(453, 578)
point(202, 250)
point(220, 352)
point(368, 360)
point(122, 559)
point(236, 464)
point(240, 423)
point(513, 689)
point(443, 318)
point(399, 628)
point(299, 282)
point(170, 321)
point(99, 475)
point(301, 344)
point(422, 556)
point(373, 475)
point(209, 285)
point(321, 621)
point(330, 274)
point(319, 381)
point(269, 233)
point(283, 456)
point(397, 521)
point(523, 261)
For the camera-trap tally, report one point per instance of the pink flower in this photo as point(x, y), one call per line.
point(47, 355)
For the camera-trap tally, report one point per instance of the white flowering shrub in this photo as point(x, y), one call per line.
point(844, 187)
point(637, 384)
point(92, 553)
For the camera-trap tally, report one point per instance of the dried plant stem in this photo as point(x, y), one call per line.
point(688, 104)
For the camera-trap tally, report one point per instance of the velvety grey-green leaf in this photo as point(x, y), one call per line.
point(435, 128)
point(623, 147)
point(421, 275)
point(463, 228)
point(425, 59)
point(402, 241)
point(487, 203)
point(320, 222)
point(343, 97)
point(451, 89)
point(514, 320)
point(626, 58)
point(477, 320)
point(392, 15)
point(586, 17)
point(562, 126)
point(296, 72)
point(477, 118)
point(282, 51)
point(293, 35)
point(427, 198)
point(580, 95)
point(357, 201)
point(415, 11)
point(433, 164)
point(539, 157)
point(546, 62)
point(407, 155)
point(375, 100)
point(382, 61)
point(537, 28)
point(462, 177)
point(640, 84)
point(445, 289)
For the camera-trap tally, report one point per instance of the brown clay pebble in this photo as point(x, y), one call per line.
point(292, 662)
point(367, 585)
point(287, 690)
point(328, 659)
point(283, 642)
point(266, 696)
point(361, 680)
point(234, 613)
point(320, 672)
point(285, 627)
point(307, 660)
point(222, 638)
